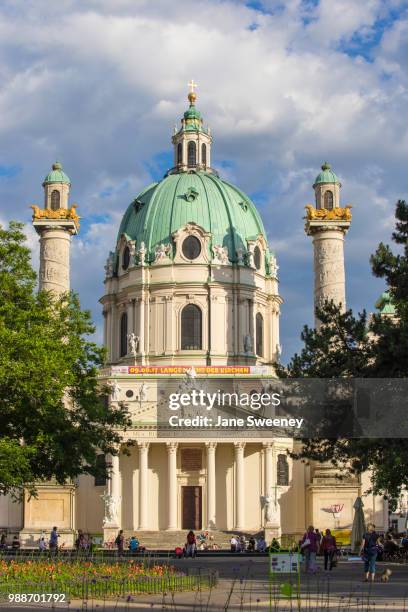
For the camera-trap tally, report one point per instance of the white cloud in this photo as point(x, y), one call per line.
point(101, 84)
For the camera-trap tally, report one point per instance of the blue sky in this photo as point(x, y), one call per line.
point(284, 86)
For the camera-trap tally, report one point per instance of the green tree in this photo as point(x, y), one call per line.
point(346, 345)
point(55, 418)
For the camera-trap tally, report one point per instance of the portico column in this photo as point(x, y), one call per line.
point(143, 484)
point(268, 447)
point(211, 446)
point(239, 485)
point(172, 481)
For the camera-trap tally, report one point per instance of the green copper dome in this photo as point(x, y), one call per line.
point(384, 304)
point(56, 175)
point(326, 175)
point(199, 197)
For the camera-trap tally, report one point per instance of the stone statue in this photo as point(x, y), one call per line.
point(143, 392)
point(132, 250)
point(248, 344)
point(220, 254)
point(272, 510)
point(142, 254)
point(162, 252)
point(240, 256)
point(191, 373)
point(278, 352)
point(111, 508)
point(109, 266)
point(250, 256)
point(115, 390)
point(273, 267)
point(133, 343)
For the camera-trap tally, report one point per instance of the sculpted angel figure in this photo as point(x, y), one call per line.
point(220, 254)
point(133, 343)
point(142, 253)
point(110, 508)
point(115, 390)
point(162, 251)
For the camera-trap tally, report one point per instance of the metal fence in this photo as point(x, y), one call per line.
point(101, 588)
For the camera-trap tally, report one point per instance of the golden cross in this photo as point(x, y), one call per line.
point(192, 85)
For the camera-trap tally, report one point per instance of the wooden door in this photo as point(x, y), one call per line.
point(192, 507)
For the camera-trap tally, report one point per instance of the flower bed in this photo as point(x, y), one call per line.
point(85, 579)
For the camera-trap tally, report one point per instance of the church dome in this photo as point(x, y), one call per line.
point(326, 175)
point(200, 197)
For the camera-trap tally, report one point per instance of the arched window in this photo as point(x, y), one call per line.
point(259, 334)
point(204, 154)
point(55, 200)
point(126, 258)
point(257, 257)
point(282, 471)
point(123, 334)
point(191, 154)
point(179, 153)
point(328, 200)
point(191, 328)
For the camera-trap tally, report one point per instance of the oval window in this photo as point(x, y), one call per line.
point(126, 258)
point(257, 257)
point(191, 247)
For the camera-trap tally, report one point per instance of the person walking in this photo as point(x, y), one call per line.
point(120, 542)
point(309, 546)
point(369, 551)
point(53, 545)
point(328, 547)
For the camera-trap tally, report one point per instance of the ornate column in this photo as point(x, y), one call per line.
point(130, 328)
point(143, 484)
point(211, 516)
point(172, 482)
point(112, 345)
point(268, 448)
point(239, 485)
point(251, 325)
point(142, 327)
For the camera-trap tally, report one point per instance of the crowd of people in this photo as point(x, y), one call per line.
point(373, 548)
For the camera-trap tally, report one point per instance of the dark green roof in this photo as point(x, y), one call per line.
point(199, 197)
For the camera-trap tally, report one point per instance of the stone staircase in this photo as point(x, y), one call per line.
point(168, 540)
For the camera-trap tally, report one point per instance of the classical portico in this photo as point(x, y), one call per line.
point(200, 485)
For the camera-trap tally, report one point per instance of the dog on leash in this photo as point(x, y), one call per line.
point(386, 575)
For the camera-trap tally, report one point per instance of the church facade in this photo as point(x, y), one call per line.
point(192, 298)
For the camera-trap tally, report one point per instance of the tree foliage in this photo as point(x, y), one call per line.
point(54, 417)
point(348, 345)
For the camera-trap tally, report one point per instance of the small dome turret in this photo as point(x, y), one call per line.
point(57, 175)
point(192, 142)
point(326, 175)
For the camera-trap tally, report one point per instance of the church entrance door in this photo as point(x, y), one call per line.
point(192, 508)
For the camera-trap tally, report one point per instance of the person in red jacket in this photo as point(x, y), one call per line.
point(191, 544)
point(328, 547)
